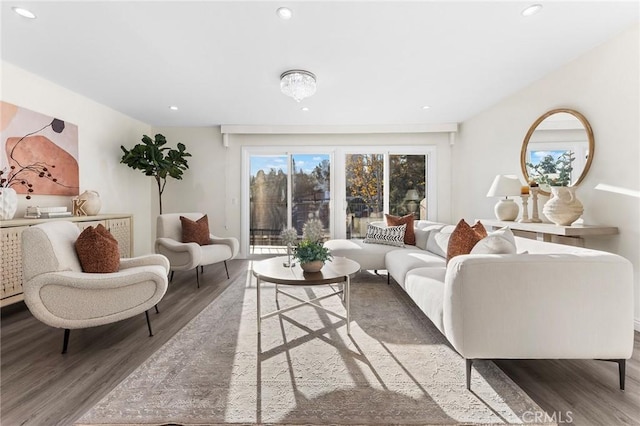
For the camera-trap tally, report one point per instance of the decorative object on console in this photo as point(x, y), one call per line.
point(35, 144)
point(289, 237)
point(409, 234)
point(8, 203)
point(298, 84)
point(311, 252)
point(172, 165)
point(525, 209)
point(535, 216)
point(92, 203)
point(464, 238)
point(563, 208)
point(505, 186)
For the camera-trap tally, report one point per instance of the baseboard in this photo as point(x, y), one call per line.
point(636, 324)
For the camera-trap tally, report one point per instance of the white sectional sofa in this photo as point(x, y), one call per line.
point(547, 301)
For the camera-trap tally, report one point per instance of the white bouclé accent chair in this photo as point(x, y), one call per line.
point(59, 294)
point(187, 256)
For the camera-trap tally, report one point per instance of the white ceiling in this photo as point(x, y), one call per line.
point(376, 62)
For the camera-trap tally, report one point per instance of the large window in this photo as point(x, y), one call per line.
point(285, 191)
point(344, 187)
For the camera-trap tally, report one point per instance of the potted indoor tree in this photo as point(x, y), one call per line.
point(157, 160)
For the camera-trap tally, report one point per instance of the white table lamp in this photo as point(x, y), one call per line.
point(505, 186)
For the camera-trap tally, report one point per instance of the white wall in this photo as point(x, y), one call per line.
point(101, 131)
point(212, 184)
point(603, 85)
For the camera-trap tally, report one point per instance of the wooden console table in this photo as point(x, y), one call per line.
point(120, 225)
point(570, 235)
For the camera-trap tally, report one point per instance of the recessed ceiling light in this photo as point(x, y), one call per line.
point(426, 107)
point(305, 109)
point(24, 12)
point(173, 108)
point(532, 10)
point(284, 13)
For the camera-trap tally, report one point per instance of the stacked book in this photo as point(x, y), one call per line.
point(46, 212)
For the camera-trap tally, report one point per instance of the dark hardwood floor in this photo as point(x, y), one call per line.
point(39, 386)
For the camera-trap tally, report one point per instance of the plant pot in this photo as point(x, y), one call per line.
point(563, 208)
point(314, 266)
point(8, 203)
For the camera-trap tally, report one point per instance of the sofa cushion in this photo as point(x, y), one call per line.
point(400, 262)
point(390, 235)
point(501, 241)
point(195, 231)
point(464, 237)
point(409, 235)
point(426, 287)
point(369, 256)
point(98, 250)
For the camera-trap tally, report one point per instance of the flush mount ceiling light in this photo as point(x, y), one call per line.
point(284, 13)
point(298, 84)
point(173, 108)
point(532, 10)
point(24, 12)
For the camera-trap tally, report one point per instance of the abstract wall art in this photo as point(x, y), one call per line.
point(39, 153)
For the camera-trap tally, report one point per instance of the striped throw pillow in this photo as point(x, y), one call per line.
point(390, 235)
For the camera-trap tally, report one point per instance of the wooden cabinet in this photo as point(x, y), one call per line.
point(120, 225)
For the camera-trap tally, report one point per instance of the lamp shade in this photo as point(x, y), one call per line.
point(412, 195)
point(504, 186)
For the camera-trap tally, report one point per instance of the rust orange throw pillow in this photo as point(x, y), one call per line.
point(195, 232)
point(409, 234)
point(464, 237)
point(98, 250)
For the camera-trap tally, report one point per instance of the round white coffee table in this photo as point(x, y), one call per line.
point(338, 270)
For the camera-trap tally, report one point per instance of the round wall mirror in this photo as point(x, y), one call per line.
point(557, 136)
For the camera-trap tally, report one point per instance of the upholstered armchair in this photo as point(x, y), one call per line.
point(187, 256)
point(60, 294)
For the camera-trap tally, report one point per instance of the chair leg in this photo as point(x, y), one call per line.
point(146, 314)
point(226, 268)
point(202, 269)
point(157, 311)
point(621, 371)
point(468, 373)
point(171, 277)
point(65, 342)
point(198, 277)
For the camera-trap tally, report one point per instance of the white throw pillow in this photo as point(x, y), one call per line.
point(389, 235)
point(501, 241)
point(422, 235)
point(438, 240)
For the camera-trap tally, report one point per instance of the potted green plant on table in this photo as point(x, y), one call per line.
point(311, 252)
point(157, 160)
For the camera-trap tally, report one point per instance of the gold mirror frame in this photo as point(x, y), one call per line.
point(525, 143)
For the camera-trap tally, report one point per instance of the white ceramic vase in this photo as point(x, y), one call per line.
point(92, 204)
point(563, 208)
point(8, 203)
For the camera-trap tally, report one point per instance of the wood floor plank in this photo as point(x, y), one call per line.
point(39, 386)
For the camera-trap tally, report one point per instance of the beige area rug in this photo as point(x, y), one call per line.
point(395, 368)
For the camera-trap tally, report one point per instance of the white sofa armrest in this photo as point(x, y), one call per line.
point(149, 259)
point(540, 306)
point(233, 243)
point(182, 256)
